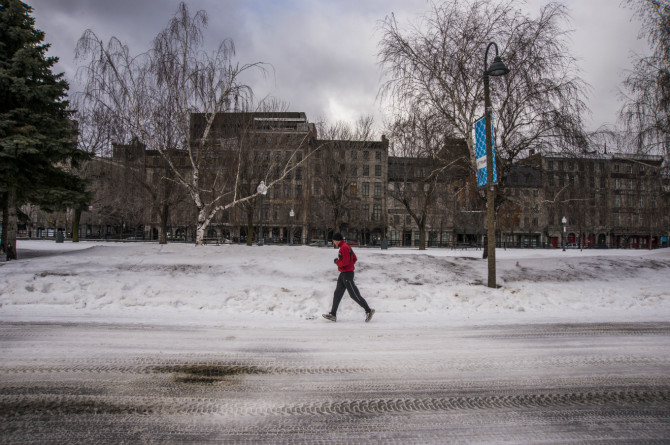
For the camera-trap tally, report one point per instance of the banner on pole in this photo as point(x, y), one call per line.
point(480, 152)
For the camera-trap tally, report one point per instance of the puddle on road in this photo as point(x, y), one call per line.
point(208, 374)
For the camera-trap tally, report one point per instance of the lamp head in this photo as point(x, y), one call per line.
point(497, 68)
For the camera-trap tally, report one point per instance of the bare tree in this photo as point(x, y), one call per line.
point(418, 172)
point(438, 63)
point(153, 96)
point(336, 172)
point(646, 90)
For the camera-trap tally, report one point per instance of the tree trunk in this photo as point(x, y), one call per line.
point(422, 238)
point(75, 225)
point(250, 227)
point(162, 238)
point(200, 227)
point(5, 217)
point(9, 225)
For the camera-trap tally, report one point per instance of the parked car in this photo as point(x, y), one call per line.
point(572, 246)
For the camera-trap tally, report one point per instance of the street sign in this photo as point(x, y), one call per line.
point(480, 152)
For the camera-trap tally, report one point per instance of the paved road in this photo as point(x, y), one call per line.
point(115, 383)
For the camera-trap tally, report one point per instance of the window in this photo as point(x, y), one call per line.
point(353, 189)
point(378, 189)
point(366, 155)
point(287, 191)
point(366, 189)
point(376, 212)
point(550, 165)
point(366, 212)
point(298, 173)
point(298, 190)
point(378, 155)
point(366, 170)
point(378, 170)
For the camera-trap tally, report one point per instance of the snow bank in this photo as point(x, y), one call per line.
point(246, 285)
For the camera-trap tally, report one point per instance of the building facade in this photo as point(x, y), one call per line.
point(355, 187)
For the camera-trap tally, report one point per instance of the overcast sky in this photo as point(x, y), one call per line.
point(324, 51)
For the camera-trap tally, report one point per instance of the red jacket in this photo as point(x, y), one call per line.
point(346, 258)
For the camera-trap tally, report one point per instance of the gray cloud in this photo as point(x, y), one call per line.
point(323, 52)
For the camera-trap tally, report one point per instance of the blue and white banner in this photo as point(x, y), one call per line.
point(480, 152)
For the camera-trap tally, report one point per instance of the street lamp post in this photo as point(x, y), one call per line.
point(291, 214)
point(262, 189)
point(497, 68)
point(564, 221)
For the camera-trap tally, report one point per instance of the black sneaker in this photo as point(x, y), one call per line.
point(368, 315)
point(330, 317)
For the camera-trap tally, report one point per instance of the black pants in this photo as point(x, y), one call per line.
point(346, 281)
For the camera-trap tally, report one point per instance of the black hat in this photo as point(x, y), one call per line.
point(337, 237)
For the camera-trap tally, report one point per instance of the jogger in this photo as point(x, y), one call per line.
point(346, 258)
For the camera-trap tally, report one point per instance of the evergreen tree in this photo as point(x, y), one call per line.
point(38, 145)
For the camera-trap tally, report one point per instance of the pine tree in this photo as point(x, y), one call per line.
point(37, 137)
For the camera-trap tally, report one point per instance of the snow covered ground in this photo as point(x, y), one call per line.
point(143, 343)
point(231, 284)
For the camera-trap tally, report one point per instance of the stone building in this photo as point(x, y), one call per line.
point(322, 186)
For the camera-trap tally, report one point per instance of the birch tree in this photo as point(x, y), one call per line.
point(153, 96)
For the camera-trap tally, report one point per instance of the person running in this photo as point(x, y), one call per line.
point(346, 258)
